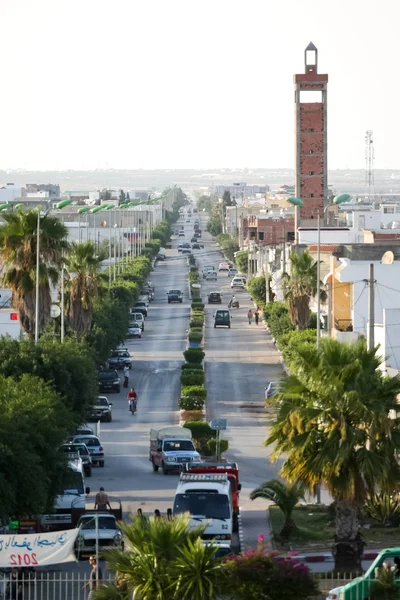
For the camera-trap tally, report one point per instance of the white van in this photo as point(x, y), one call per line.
point(135, 317)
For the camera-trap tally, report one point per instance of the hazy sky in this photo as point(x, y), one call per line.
point(189, 83)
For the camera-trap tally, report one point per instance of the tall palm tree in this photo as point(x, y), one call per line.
point(162, 560)
point(333, 425)
point(83, 262)
point(18, 244)
point(285, 496)
point(299, 287)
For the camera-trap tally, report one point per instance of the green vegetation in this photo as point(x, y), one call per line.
point(195, 336)
point(314, 528)
point(204, 203)
point(191, 367)
point(257, 289)
point(194, 377)
point(191, 403)
point(242, 261)
point(194, 391)
point(214, 223)
point(285, 497)
point(228, 244)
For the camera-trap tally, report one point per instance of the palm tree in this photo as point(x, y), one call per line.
point(18, 244)
point(333, 426)
point(299, 287)
point(162, 560)
point(83, 263)
point(285, 496)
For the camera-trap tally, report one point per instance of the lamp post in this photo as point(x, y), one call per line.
point(60, 206)
point(82, 211)
point(337, 200)
point(109, 207)
point(37, 276)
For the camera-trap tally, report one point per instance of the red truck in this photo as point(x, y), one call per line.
point(232, 471)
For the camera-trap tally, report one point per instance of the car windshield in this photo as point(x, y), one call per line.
point(120, 354)
point(82, 449)
point(102, 402)
point(90, 441)
point(72, 484)
point(205, 503)
point(104, 523)
point(178, 445)
point(108, 375)
point(175, 291)
point(222, 314)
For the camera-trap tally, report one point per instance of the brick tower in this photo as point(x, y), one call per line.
point(311, 166)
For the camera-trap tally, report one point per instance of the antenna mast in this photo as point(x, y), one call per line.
point(369, 166)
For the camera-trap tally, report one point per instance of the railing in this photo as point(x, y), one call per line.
point(343, 324)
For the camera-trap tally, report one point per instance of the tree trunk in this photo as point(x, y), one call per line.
point(299, 311)
point(348, 547)
point(288, 528)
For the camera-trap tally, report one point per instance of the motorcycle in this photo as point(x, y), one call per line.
point(133, 406)
point(233, 304)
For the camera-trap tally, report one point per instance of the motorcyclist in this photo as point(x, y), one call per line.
point(132, 399)
point(232, 301)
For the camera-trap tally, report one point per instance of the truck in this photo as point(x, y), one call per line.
point(207, 497)
point(69, 504)
point(171, 448)
point(161, 254)
point(9, 323)
point(359, 588)
point(232, 471)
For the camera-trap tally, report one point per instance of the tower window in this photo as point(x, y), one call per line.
point(311, 152)
point(311, 195)
point(311, 172)
point(311, 130)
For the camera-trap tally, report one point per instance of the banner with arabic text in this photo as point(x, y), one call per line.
point(37, 549)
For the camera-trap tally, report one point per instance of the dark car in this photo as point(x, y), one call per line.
point(140, 307)
point(120, 359)
point(109, 380)
point(175, 296)
point(102, 407)
point(194, 239)
point(196, 246)
point(197, 233)
point(196, 227)
point(214, 298)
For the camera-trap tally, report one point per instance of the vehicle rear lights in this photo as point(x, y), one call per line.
point(13, 316)
point(101, 449)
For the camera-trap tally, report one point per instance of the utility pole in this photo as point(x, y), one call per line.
point(319, 283)
point(371, 308)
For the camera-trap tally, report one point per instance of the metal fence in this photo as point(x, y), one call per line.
point(47, 586)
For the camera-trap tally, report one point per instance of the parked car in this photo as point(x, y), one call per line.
point(92, 443)
point(109, 380)
point(197, 233)
point(186, 251)
point(175, 296)
point(232, 272)
point(180, 247)
point(211, 276)
point(136, 317)
point(104, 407)
point(196, 246)
point(99, 532)
point(119, 359)
point(140, 307)
point(193, 239)
point(181, 234)
point(222, 318)
point(223, 266)
point(237, 282)
point(134, 330)
point(214, 298)
point(81, 449)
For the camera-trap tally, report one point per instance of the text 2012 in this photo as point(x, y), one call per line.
point(18, 560)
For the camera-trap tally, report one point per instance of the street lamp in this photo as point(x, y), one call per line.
point(61, 205)
point(337, 200)
point(82, 211)
point(94, 211)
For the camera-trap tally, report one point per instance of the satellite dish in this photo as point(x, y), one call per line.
point(387, 258)
point(55, 311)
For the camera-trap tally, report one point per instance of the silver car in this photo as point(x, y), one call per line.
point(98, 528)
point(94, 446)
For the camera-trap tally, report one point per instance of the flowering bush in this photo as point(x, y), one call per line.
point(265, 576)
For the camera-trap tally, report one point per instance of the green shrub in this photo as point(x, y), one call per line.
point(197, 313)
point(194, 276)
point(194, 391)
point(195, 292)
point(196, 305)
point(194, 355)
point(188, 403)
point(257, 289)
point(290, 342)
point(242, 261)
point(211, 447)
point(195, 337)
point(190, 378)
point(384, 509)
point(200, 430)
point(192, 260)
point(194, 270)
point(196, 324)
point(191, 367)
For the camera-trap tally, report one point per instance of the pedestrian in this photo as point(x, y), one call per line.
point(101, 501)
point(95, 577)
point(139, 513)
point(256, 317)
point(250, 316)
point(126, 376)
point(14, 586)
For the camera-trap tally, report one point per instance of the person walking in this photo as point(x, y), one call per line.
point(250, 316)
point(256, 317)
point(101, 501)
point(126, 376)
point(95, 577)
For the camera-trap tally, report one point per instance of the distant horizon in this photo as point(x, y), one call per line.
point(203, 169)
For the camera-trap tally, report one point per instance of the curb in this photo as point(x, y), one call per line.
point(324, 557)
point(240, 531)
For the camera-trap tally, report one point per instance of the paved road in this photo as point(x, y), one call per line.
point(239, 361)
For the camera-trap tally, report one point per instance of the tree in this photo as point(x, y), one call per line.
point(18, 244)
point(227, 200)
point(162, 560)
point(83, 262)
point(204, 203)
point(285, 496)
point(34, 422)
point(128, 197)
point(299, 287)
point(242, 261)
point(257, 289)
point(122, 196)
point(68, 368)
point(333, 426)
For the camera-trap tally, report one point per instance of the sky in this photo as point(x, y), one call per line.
point(95, 84)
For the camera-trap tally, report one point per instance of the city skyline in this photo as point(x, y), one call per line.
point(128, 85)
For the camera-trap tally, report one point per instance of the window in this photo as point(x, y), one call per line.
point(261, 236)
point(311, 195)
point(311, 172)
point(388, 210)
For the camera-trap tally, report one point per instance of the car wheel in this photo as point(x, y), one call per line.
point(215, 326)
point(101, 463)
point(109, 419)
point(88, 472)
point(130, 366)
point(169, 301)
point(180, 301)
point(229, 326)
point(164, 469)
point(155, 467)
point(118, 389)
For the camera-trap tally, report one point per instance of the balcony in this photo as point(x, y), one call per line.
point(343, 324)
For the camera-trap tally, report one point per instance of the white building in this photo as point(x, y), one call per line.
point(10, 192)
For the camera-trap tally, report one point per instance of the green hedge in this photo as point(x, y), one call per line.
point(189, 378)
point(188, 403)
point(197, 305)
point(194, 355)
point(212, 447)
point(194, 391)
point(195, 337)
point(289, 342)
point(196, 323)
point(191, 367)
point(200, 430)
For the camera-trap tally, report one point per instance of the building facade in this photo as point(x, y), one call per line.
point(311, 142)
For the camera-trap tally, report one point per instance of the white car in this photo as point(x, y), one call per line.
point(135, 330)
point(211, 276)
point(334, 593)
point(107, 533)
point(232, 272)
point(237, 282)
point(223, 267)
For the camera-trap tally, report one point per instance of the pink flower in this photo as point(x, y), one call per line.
point(260, 538)
point(292, 553)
